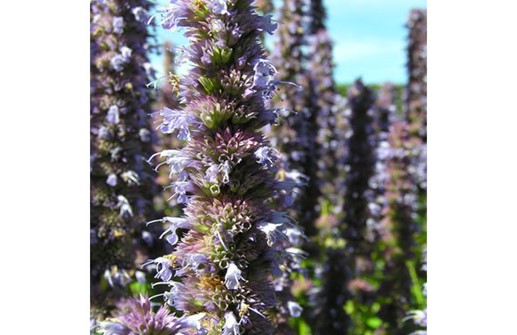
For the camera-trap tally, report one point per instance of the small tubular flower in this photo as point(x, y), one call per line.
point(232, 277)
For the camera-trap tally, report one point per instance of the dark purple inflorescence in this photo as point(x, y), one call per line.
point(229, 244)
point(399, 228)
point(384, 114)
point(121, 139)
point(359, 166)
point(416, 99)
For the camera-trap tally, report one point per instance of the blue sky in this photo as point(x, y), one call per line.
point(369, 38)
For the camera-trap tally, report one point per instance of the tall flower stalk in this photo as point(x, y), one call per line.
point(228, 245)
point(383, 117)
point(359, 165)
point(329, 109)
point(296, 135)
point(399, 223)
point(416, 99)
point(121, 139)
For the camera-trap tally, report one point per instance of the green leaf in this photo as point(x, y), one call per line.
point(416, 288)
point(374, 322)
point(207, 83)
point(137, 288)
point(349, 307)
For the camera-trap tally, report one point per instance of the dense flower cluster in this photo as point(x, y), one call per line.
point(229, 244)
point(135, 317)
point(121, 182)
point(384, 114)
point(359, 165)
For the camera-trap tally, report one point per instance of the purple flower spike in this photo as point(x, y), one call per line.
point(121, 184)
point(224, 261)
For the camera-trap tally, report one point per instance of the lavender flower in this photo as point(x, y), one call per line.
point(117, 62)
point(264, 7)
point(118, 24)
point(223, 263)
point(113, 115)
point(140, 14)
point(121, 182)
point(231, 326)
point(112, 179)
point(294, 308)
